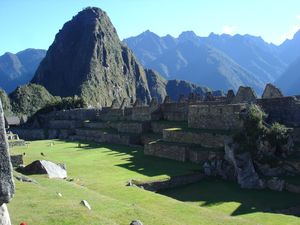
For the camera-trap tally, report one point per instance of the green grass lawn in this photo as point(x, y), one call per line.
point(100, 173)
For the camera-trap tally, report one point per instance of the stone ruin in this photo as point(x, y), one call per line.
point(6, 182)
point(193, 129)
point(272, 92)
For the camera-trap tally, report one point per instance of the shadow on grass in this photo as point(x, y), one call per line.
point(135, 160)
point(213, 192)
point(208, 193)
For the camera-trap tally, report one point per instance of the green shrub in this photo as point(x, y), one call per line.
point(63, 104)
point(277, 135)
point(253, 119)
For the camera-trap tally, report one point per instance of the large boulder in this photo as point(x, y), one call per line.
point(276, 184)
point(245, 172)
point(46, 167)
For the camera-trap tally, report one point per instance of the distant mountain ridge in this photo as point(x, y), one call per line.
point(250, 57)
point(219, 62)
point(18, 69)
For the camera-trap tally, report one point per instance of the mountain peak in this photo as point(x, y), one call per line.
point(87, 58)
point(187, 35)
point(92, 11)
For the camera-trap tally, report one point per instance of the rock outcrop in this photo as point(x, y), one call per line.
point(245, 172)
point(6, 182)
point(45, 167)
point(88, 59)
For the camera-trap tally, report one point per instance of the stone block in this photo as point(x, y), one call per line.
point(166, 150)
point(7, 188)
point(220, 117)
point(192, 136)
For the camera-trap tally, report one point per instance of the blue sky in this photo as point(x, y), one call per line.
point(34, 23)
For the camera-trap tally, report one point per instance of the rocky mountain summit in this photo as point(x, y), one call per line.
point(88, 59)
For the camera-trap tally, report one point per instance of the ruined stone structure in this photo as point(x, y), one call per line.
point(192, 129)
point(137, 123)
point(6, 182)
point(271, 92)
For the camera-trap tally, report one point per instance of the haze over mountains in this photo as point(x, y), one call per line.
point(18, 69)
point(236, 60)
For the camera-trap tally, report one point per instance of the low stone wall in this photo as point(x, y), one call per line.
point(52, 133)
point(65, 124)
point(16, 160)
point(175, 111)
point(166, 150)
point(105, 137)
point(205, 139)
point(16, 143)
point(172, 182)
point(284, 110)
point(141, 113)
point(30, 134)
point(133, 127)
point(292, 188)
point(96, 125)
point(182, 152)
point(112, 115)
point(65, 133)
point(296, 134)
point(159, 126)
point(226, 117)
point(201, 156)
point(149, 137)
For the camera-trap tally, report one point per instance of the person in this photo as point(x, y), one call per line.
point(23, 223)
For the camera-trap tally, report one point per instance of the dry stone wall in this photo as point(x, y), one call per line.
point(226, 117)
point(203, 138)
point(283, 110)
point(175, 111)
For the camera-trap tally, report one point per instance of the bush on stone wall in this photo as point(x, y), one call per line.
point(253, 128)
point(278, 136)
point(256, 132)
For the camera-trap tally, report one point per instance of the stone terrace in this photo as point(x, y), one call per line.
point(192, 129)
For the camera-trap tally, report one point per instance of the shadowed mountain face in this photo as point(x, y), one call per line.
point(290, 49)
point(160, 87)
point(88, 59)
point(252, 53)
point(202, 64)
point(289, 82)
point(18, 69)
